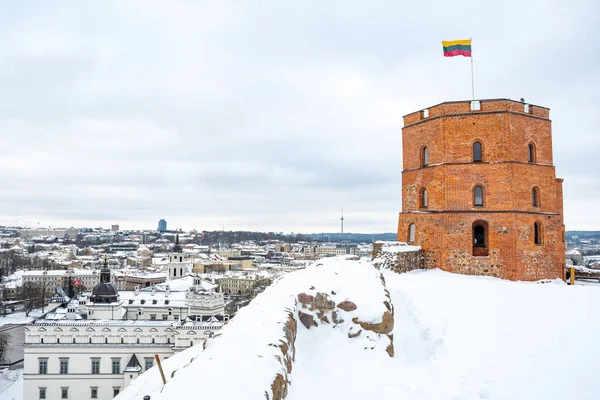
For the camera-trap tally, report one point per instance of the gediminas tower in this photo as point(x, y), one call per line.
point(479, 190)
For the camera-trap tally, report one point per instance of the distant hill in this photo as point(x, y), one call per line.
point(583, 234)
point(352, 237)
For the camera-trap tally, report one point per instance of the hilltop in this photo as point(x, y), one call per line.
point(325, 332)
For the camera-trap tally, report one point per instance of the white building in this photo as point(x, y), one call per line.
point(94, 346)
point(52, 278)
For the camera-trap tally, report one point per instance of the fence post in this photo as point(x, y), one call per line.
point(572, 277)
point(162, 374)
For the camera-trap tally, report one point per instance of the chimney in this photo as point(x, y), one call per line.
point(153, 290)
point(167, 291)
point(137, 289)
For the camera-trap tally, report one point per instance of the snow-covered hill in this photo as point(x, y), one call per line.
point(455, 337)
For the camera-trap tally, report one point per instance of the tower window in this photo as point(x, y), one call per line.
point(424, 157)
point(424, 201)
point(537, 233)
point(411, 233)
point(478, 196)
point(535, 197)
point(480, 246)
point(477, 152)
point(531, 153)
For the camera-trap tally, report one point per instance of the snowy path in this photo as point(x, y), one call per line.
point(463, 338)
point(11, 384)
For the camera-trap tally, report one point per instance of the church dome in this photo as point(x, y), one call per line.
point(104, 292)
point(104, 289)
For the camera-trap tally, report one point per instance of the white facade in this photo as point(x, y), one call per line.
point(88, 348)
point(78, 345)
point(51, 278)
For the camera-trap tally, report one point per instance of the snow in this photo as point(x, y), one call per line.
point(455, 337)
point(463, 337)
point(11, 384)
point(397, 247)
point(20, 318)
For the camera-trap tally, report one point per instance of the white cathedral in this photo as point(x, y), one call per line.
point(93, 346)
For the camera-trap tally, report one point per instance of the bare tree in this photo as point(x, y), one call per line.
point(3, 347)
point(34, 295)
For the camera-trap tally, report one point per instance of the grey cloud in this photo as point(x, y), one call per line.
point(267, 115)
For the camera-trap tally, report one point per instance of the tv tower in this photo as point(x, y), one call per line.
point(342, 219)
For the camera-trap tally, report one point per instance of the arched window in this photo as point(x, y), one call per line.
point(478, 196)
point(411, 233)
point(424, 201)
point(424, 156)
point(535, 197)
point(480, 245)
point(531, 153)
point(477, 152)
point(537, 233)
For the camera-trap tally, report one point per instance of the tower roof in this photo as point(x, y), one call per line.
point(104, 292)
point(177, 248)
point(133, 365)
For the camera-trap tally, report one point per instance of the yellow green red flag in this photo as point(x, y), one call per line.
point(454, 48)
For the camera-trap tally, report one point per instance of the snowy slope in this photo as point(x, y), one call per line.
point(11, 384)
point(464, 337)
point(242, 362)
point(455, 337)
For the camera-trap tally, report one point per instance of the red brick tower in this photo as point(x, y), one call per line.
point(479, 191)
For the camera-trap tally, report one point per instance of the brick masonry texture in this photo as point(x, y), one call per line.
point(444, 229)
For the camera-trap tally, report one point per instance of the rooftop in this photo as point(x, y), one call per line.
point(482, 106)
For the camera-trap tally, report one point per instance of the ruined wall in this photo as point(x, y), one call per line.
point(397, 256)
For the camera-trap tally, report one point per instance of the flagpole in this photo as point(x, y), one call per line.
point(472, 78)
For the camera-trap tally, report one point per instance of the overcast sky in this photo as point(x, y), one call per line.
point(269, 115)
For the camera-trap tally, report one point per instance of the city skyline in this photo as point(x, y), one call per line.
point(214, 115)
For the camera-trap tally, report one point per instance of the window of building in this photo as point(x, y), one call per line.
point(152, 316)
point(149, 363)
point(116, 391)
point(477, 152)
point(176, 317)
point(116, 366)
point(424, 201)
point(57, 340)
point(153, 340)
point(42, 340)
point(94, 392)
point(42, 391)
point(531, 153)
point(535, 197)
point(174, 271)
point(64, 392)
point(480, 246)
point(64, 365)
point(43, 366)
point(478, 196)
point(424, 157)
point(537, 233)
point(168, 340)
point(95, 365)
point(411, 233)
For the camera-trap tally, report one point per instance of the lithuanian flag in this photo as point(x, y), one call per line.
point(457, 48)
